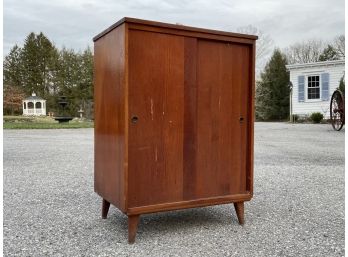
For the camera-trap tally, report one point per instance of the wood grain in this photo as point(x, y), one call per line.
point(174, 118)
point(221, 151)
point(190, 120)
point(194, 34)
point(156, 86)
point(239, 207)
point(105, 209)
point(109, 113)
point(208, 201)
point(251, 115)
point(133, 221)
point(162, 25)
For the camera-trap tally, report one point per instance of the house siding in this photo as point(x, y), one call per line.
point(306, 107)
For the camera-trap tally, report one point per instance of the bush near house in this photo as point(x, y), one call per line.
point(316, 117)
point(342, 86)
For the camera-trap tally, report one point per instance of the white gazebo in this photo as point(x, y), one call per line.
point(34, 105)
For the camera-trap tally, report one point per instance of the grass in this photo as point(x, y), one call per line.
point(30, 122)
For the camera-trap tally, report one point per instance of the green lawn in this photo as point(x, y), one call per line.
point(24, 122)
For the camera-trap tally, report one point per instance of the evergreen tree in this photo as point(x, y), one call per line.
point(13, 67)
point(84, 90)
point(87, 73)
point(329, 54)
point(272, 93)
point(39, 66)
point(48, 55)
point(68, 78)
point(31, 75)
point(38, 60)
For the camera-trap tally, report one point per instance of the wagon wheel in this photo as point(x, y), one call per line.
point(337, 110)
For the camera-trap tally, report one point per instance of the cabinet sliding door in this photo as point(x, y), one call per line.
point(156, 102)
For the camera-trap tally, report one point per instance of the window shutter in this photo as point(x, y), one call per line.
point(301, 88)
point(325, 87)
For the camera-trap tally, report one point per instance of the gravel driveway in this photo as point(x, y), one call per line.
point(50, 208)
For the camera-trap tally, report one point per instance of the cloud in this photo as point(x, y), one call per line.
point(74, 23)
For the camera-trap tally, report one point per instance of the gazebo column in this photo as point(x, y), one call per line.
point(34, 107)
point(42, 108)
point(27, 107)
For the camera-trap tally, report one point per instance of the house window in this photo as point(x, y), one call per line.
point(313, 88)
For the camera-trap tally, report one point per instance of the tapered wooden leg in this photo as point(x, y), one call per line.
point(105, 208)
point(133, 222)
point(240, 212)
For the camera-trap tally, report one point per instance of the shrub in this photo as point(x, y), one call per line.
point(316, 117)
point(341, 87)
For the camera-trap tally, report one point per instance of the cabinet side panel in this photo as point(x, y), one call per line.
point(109, 113)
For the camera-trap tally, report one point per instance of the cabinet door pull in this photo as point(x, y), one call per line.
point(134, 119)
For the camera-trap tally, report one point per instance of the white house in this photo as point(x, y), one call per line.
point(313, 85)
point(34, 105)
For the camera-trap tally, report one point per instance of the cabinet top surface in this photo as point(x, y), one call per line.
point(171, 26)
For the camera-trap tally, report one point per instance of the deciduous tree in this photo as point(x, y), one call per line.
point(339, 45)
point(264, 44)
point(13, 97)
point(304, 52)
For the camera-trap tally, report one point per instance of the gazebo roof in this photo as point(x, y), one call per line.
point(34, 97)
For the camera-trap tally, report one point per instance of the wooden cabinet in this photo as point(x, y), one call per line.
point(174, 110)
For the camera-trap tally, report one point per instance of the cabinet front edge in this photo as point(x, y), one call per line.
point(189, 204)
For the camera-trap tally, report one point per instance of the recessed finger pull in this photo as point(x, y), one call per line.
point(134, 119)
point(241, 119)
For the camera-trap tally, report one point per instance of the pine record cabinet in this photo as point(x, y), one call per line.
point(174, 114)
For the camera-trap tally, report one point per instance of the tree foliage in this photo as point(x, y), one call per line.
point(315, 50)
point(13, 67)
point(304, 52)
point(13, 97)
point(264, 44)
point(339, 45)
point(41, 68)
point(329, 54)
point(272, 91)
point(37, 57)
